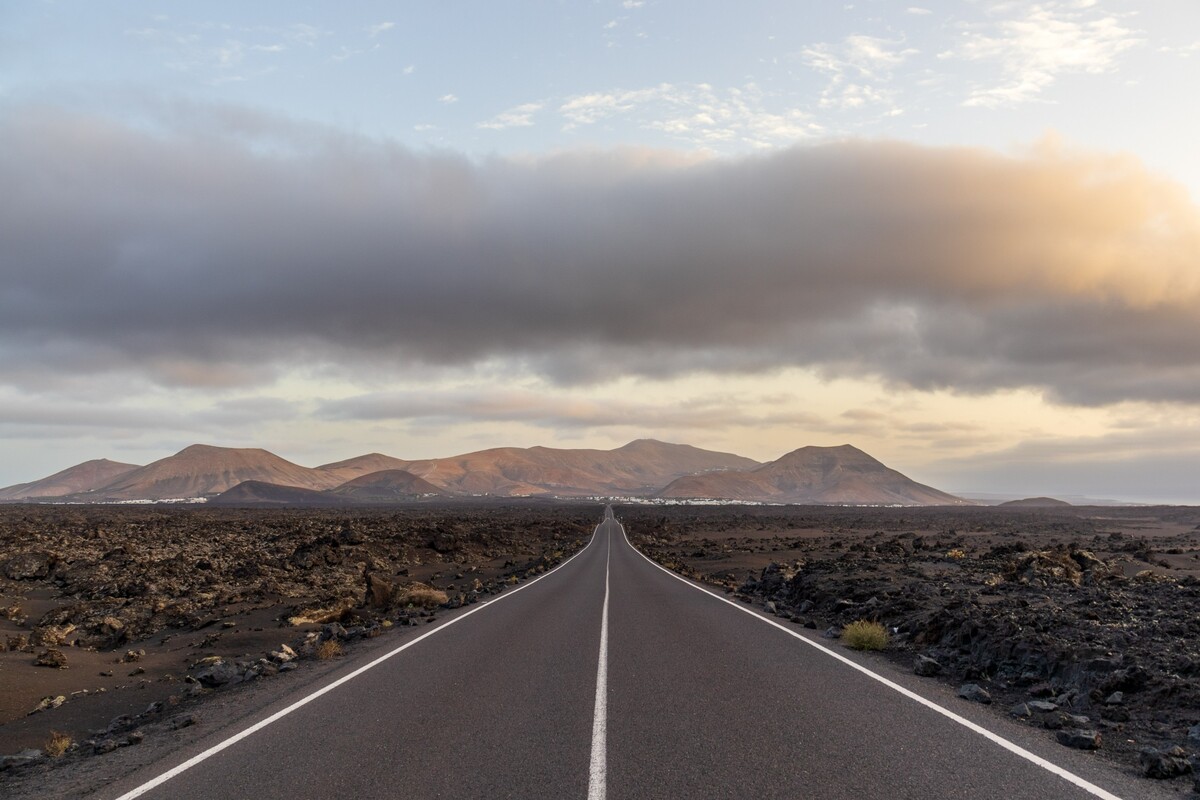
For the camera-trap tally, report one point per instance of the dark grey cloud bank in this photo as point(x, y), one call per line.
point(216, 247)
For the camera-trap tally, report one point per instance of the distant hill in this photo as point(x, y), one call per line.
point(257, 493)
point(85, 477)
point(819, 475)
point(203, 470)
point(644, 467)
point(341, 471)
point(640, 467)
point(387, 486)
point(1036, 502)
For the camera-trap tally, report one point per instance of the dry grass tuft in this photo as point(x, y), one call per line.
point(957, 553)
point(865, 635)
point(330, 648)
point(422, 596)
point(58, 744)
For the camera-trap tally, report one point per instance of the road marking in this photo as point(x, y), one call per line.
point(598, 773)
point(237, 737)
point(1012, 747)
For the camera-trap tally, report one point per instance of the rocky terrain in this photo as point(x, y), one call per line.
point(115, 620)
point(1081, 621)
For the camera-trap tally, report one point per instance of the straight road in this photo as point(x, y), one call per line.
point(610, 677)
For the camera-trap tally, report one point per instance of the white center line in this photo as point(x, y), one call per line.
point(329, 687)
point(597, 774)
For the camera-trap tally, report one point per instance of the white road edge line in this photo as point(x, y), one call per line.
point(237, 737)
point(598, 772)
point(1071, 777)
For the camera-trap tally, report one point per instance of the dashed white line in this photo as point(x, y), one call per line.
point(1016, 749)
point(598, 772)
point(237, 737)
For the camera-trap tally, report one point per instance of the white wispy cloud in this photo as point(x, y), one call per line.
point(633, 4)
point(220, 53)
point(448, 99)
point(1183, 51)
point(382, 27)
point(1038, 44)
point(857, 66)
point(917, 10)
point(305, 34)
point(699, 113)
point(516, 117)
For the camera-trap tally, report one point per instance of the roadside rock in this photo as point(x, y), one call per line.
point(51, 658)
point(48, 703)
point(28, 566)
point(925, 666)
point(214, 671)
point(1162, 766)
point(20, 759)
point(975, 693)
point(1079, 739)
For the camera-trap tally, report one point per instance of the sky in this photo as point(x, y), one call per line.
point(963, 237)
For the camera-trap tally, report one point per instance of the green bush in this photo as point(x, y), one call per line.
point(865, 635)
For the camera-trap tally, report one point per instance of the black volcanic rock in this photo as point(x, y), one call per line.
point(389, 485)
point(258, 493)
point(1036, 502)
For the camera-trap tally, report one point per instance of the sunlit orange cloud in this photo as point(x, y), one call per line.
point(239, 248)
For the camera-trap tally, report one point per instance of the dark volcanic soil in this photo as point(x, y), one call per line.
point(1078, 620)
point(138, 612)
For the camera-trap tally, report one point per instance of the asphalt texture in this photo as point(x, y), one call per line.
point(702, 700)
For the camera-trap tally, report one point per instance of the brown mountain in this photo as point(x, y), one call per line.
point(258, 494)
point(85, 477)
point(386, 486)
point(640, 467)
point(341, 471)
point(203, 470)
point(841, 475)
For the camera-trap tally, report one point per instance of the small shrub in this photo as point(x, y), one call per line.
point(58, 744)
point(957, 553)
point(865, 635)
point(330, 648)
point(422, 596)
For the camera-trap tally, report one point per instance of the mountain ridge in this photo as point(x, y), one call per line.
point(814, 475)
point(640, 468)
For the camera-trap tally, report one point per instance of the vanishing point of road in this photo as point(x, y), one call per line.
point(610, 677)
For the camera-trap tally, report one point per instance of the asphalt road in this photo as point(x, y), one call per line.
point(610, 677)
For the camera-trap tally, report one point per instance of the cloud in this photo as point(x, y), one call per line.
point(218, 248)
point(1035, 47)
point(917, 10)
point(382, 27)
point(1156, 466)
point(448, 99)
point(517, 117)
point(856, 66)
point(446, 407)
point(696, 113)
